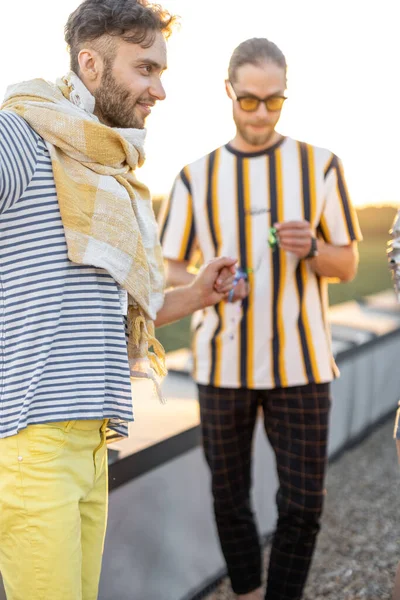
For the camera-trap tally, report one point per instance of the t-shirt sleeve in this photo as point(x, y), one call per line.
point(339, 223)
point(176, 222)
point(18, 143)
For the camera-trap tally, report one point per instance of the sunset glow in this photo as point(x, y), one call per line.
point(343, 79)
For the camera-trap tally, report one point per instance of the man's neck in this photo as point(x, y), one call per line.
point(97, 113)
point(240, 144)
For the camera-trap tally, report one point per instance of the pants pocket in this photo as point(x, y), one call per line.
point(39, 443)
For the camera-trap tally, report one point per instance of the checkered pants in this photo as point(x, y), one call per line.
point(296, 422)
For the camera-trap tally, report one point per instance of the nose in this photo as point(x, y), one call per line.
point(262, 110)
point(157, 90)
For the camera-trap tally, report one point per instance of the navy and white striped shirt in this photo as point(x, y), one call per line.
point(63, 352)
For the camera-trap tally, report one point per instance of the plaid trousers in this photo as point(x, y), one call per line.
point(296, 423)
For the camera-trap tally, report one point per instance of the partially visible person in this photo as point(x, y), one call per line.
point(270, 346)
point(81, 287)
point(394, 264)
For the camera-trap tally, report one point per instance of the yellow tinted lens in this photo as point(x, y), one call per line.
point(275, 102)
point(249, 104)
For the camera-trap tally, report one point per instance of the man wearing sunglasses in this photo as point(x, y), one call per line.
point(282, 206)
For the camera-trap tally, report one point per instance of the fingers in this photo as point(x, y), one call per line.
point(287, 225)
point(295, 237)
point(217, 264)
point(225, 285)
point(295, 234)
point(241, 291)
point(224, 274)
point(225, 280)
point(296, 242)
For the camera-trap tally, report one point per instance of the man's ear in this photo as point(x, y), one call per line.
point(227, 88)
point(90, 67)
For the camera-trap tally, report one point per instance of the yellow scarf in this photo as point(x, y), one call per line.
point(106, 212)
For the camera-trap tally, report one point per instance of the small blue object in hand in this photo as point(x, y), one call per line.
point(240, 274)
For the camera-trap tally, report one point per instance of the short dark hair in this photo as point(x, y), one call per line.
point(135, 21)
point(254, 52)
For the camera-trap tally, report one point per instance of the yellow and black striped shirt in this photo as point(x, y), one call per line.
point(224, 204)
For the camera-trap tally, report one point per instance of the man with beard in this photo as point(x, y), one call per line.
point(82, 285)
point(282, 207)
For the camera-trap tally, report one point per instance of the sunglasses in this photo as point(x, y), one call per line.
point(251, 103)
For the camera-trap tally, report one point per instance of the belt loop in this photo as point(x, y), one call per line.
point(69, 425)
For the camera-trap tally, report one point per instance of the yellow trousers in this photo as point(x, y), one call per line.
point(53, 510)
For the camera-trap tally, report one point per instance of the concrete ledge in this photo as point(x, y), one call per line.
point(163, 516)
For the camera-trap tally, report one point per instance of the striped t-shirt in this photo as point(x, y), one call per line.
point(224, 204)
point(63, 352)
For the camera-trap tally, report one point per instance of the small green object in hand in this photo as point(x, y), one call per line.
point(273, 240)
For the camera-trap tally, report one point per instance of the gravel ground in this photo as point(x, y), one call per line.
point(359, 545)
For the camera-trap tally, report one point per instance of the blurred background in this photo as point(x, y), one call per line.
point(344, 94)
point(343, 86)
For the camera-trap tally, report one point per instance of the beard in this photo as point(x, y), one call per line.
point(256, 139)
point(115, 104)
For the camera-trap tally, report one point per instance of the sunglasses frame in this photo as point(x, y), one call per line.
point(259, 100)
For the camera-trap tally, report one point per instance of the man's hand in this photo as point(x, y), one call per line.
point(224, 285)
point(225, 279)
point(242, 290)
point(201, 292)
point(295, 237)
point(214, 280)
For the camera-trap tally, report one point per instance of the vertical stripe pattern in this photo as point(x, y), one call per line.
point(240, 175)
point(270, 339)
point(164, 215)
point(249, 314)
point(307, 344)
point(335, 170)
point(279, 272)
point(215, 230)
point(189, 233)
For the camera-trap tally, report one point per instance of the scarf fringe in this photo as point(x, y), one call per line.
point(146, 364)
point(149, 374)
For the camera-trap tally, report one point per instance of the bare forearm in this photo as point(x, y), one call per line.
point(178, 303)
point(177, 273)
point(339, 262)
point(210, 286)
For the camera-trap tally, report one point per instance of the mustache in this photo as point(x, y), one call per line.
point(258, 123)
point(148, 101)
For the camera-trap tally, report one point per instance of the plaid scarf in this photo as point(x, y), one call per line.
point(106, 212)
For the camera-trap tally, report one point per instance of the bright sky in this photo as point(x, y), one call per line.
point(344, 90)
